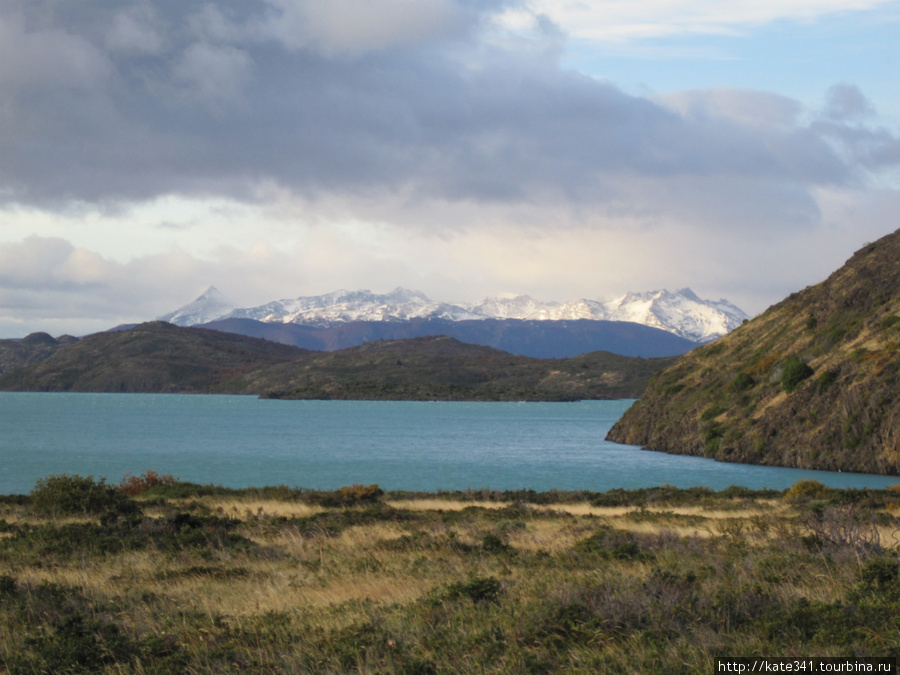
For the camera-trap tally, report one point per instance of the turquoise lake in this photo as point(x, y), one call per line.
point(241, 441)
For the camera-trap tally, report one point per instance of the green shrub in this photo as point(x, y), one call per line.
point(492, 543)
point(611, 544)
point(711, 412)
point(478, 589)
point(859, 354)
point(796, 370)
point(889, 321)
point(7, 585)
point(825, 380)
point(80, 644)
point(880, 573)
point(81, 496)
point(743, 381)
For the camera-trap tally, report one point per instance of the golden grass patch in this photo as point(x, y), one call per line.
point(244, 508)
point(443, 504)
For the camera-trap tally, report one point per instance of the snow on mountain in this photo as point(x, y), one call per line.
point(212, 304)
point(343, 306)
point(512, 307)
point(680, 312)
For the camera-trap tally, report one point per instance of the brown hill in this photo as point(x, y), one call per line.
point(159, 357)
point(811, 383)
point(31, 349)
point(154, 357)
point(442, 368)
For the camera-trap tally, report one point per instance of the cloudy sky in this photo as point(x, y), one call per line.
point(464, 148)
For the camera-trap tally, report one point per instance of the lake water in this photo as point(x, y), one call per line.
point(242, 441)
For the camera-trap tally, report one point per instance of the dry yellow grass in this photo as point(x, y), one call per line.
point(552, 536)
point(343, 586)
point(443, 504)
point(243, 508)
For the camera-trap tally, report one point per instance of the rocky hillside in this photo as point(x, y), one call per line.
point(811, 383)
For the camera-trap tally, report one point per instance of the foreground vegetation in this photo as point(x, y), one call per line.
point(158, 576)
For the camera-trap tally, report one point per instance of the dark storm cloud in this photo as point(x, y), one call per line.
point(124, 101)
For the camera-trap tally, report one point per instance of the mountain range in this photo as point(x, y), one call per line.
point(681, 313)
point(813, 382)
point(648, 325)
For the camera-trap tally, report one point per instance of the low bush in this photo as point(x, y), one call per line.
point(65, 495)
point(881, 574)
point(477, 589)
point(612, 544)
point(795, 371)
point(743, 381)
point(134, 485)
point(808, 489)
point(825, 380)
point(349, 495)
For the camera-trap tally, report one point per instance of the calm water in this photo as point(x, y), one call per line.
point(241, 441)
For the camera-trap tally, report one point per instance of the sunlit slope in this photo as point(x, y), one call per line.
point(811, 383)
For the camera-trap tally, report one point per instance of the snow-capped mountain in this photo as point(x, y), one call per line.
point(681, 312)
point(693, 318)
point(211, 305)
point(344, 306)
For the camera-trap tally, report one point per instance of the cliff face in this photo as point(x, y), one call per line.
point(814, 382)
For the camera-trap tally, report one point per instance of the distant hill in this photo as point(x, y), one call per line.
point(154, 357)
point(442, 368)
point(31, 349)
point(814, 382)
point(539, 339)
point(159, 357)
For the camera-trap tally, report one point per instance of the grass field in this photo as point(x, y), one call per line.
point(180, 578)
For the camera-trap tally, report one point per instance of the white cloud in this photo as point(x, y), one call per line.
point(618, 20)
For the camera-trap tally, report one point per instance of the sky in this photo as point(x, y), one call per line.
point(562, 149)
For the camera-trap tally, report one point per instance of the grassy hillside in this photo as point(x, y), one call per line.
point(196, 579)
point(814, 382)
point(160, 357)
